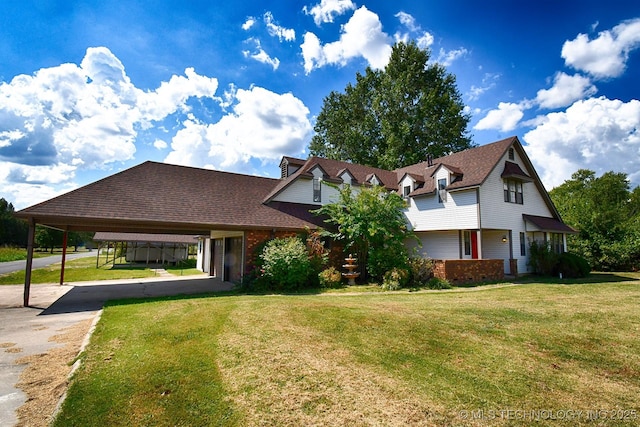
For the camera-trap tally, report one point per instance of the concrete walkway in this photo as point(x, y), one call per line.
point(26, 331)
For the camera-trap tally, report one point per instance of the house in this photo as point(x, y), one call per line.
point(145, 248)
point(475, 210)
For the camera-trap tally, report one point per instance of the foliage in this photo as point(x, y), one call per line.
point(571, 266)
point(395, 279)
point(285, 264)
point(420, 271)
point(48, 238)
point(13, 232)
point(542, 259)
point(394, 117)
point(438, 283)
point(607, 216)
point(330, 278)
point(318, 256)
point(371, 222)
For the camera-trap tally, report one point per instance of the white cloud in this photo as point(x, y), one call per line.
point(408, 21)
point(71, 117)
point(160, 144)
point(260, 55)
point(263, 125)
point(424, 39)
point(565, 91)
point(605, 56)
point(328, 9)
point(488, 82)
point(446, 58)
point(250, 22)
point(361, 36)
point(598, 134)
point(505, 118)
point(275, 30)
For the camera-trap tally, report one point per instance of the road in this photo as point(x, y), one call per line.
point(11, 266)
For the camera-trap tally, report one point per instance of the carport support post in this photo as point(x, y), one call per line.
point(65, 236)
point(27, 273)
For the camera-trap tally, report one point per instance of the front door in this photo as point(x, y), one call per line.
point(474, 245)
point(217, 255)
point(233, 259)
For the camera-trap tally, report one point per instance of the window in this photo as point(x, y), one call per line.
point(442, 193)
point(467, 243)
point(512, 155)
point(513, 191)
point(523, 245)
point(405, 191)
point(317, 196)
point(557, 244)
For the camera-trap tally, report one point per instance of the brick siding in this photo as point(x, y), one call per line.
point(469, 270)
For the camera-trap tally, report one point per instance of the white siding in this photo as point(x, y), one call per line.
point(494, 248)
point(497, 214)
point(301, 191)
point(437, 245)
point(458, 212)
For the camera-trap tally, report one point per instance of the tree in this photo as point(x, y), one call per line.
point(13, 232)
point(48, 238)
point(371, 224)
point(395, 117)
point(606, 214)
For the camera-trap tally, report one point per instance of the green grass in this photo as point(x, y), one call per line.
point(403, 358)
point(19, 254)
point(82, 269)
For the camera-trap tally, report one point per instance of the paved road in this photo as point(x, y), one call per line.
point(26, 330)
point(11, 266)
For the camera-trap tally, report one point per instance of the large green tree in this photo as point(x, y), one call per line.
point(13, 232)
point(394, 117)
point(371, 225)
point(606, 214)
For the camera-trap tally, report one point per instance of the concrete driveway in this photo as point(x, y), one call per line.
point(26, 331)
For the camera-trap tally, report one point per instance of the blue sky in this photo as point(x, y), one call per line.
point(91, 88)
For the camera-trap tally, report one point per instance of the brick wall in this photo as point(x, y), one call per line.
point(469, 270)
point(254, 238)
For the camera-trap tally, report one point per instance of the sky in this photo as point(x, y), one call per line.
point(90, 88)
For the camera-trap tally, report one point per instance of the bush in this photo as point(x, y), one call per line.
point(437, 283)
point(285, 264)
point(395, 279)
point(330, 278)
point(420, 271)
point(572, 266)
point(542, 259)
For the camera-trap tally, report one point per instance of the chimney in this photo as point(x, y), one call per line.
point(429, 160)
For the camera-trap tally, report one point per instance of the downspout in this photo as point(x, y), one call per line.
point(27, 273)
point(65, 236)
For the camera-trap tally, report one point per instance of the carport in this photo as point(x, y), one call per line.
point(158, 198)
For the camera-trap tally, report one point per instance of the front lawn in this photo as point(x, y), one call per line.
point(499, 355)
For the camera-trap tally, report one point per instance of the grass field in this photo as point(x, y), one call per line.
point(84, 269)
point(496, 355)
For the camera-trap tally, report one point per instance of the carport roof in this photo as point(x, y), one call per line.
point(161, 198)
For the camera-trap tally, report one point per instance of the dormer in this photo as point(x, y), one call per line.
point(443, 176)
point(289, 165)
point(409, 183)
point(318, 175)
point(347, 177)
point(373, 179)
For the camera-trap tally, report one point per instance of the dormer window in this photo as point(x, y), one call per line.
point(406, 190)
point(317, 189)
point(442, 193)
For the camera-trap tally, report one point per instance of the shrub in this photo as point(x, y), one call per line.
point(572, 266)
point(330, 278)
point(420, 271)
point(395, 279)
point(285, 264)
point(437, 283)
point(542, 259)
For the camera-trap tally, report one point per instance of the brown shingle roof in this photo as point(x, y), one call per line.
point(156, 197)
point(548, 224)
point(332, 170)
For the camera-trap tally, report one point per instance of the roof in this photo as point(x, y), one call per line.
point(161, 198)
point(548, 224)
point(104, 236)
point(333, 169)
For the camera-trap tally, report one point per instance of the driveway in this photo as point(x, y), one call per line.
point(26, 331)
